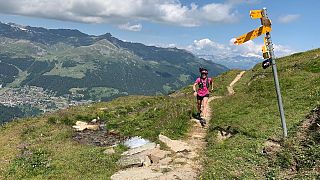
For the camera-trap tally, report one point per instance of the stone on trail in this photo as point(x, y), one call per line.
point(140, 149)
point(166, 168)
point(179, 173)
point(131, 161)
point(165, 161)
point(81, 126)
point(136, 174)
point(180, 160)
point(175, 145)
point(147, 161)
point(156, 155)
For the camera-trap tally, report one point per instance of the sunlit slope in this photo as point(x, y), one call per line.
point(252, 116)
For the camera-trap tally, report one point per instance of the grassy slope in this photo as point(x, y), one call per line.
point(253, 113)
point(43, 148)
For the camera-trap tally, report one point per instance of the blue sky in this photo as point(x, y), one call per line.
point(199, 26)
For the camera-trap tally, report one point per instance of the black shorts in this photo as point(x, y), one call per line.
point(201, 97)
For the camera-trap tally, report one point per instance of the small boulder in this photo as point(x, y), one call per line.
point(156, 155)
point(175, 145)
point(147, 162)
point(109, 150)
point(180, 160)
point(223, 135)
point(140, 149)
point(165, 161)
point(165, 168)
point(131, 161)
point(136, 174)
point(271, 147)
point(81, 126)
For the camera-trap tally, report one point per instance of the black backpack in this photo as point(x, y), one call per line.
point(200, 84)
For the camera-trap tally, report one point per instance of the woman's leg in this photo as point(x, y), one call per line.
point(199, 102)
point(205, 104)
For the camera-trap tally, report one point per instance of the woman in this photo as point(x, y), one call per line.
point(203, 83)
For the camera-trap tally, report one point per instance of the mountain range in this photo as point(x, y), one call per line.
point(234, 62)
point(67, 61)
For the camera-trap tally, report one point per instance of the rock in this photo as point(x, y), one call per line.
point(94, 120)
point(140, 149)
point(271, 147)
point(175, 145)
point(165, 168)
point(156, 155)
point(199, 136)
point(191, 155)
point(81, 123)
point(180, 160)
point(113, 132)
point(165, 161)
point(136, 174)
point(109, 150)
point(131, 161)
point(81, 126)
point(223, 135)
point(179, 173)
point(147, 162)
point(93, 127)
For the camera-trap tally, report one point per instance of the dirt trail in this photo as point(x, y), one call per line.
point(230, 87)
point(181, 165)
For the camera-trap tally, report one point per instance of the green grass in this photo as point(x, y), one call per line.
point(48, 151)
point(253, 113)
point(221, 82)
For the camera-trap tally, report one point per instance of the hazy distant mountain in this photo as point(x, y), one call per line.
point(236, 62)
point(100, 67)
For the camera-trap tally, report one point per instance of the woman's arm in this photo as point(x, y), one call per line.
point(195, 87)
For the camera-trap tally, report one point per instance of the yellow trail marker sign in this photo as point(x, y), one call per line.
point(255, 14)
point(264, 49)
point(268, 54)
point(252, 34)
point(265, 52)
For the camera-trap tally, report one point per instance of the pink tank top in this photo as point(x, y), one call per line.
point(204, 90)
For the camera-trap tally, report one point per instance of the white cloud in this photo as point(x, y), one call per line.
point(289, 18)
point(248, 49)
point(129, 27)
point(122, 11)
point(206, 46)
point(243, 56)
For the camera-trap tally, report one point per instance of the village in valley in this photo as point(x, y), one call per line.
point(37, 97)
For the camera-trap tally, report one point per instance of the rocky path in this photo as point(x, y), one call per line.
point(182, 162)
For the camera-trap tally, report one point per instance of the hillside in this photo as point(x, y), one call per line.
point(244, 136)
point(47, 147)
point(256, 149)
